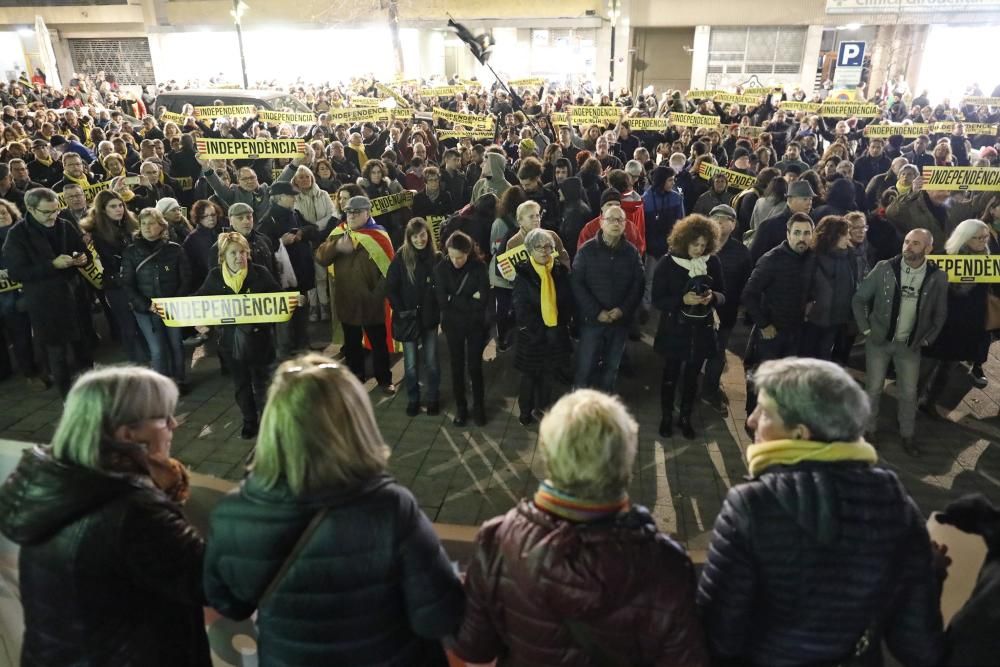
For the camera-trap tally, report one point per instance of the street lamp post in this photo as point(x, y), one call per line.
point(240, 8)
point(613, 13)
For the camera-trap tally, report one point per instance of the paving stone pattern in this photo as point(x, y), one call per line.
point(467, 475)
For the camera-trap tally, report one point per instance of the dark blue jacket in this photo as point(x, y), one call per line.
point(662, 210)
point(804, 558)
point(371, 587)
point(604, 278)
point(777, 289)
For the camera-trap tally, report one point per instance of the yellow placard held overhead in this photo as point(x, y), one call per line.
point(191, 311)
point(385, 91)
point(170, 116)
point(730, 98)
point(962, 178)
point(907, 130)
point(286, 117)
point(702, 94)
point(737, 179)
point(250, 149)
point(948, 126)
point(8, 285)
point(767, 90)
point(969, 268)
point(530, 82)
point(791, 105)
point(647, 124)
point(981, 101)
point(751, 131)
point(559, 118)
point(508, 261)
point(595, 114)
point(366, 102)
point(442, 91)
point(186, 182)
point(694, 119)
point(846, 109)
point(476, 133)
point(390, 203)
point(359, 115)
point(225, 111)
point(466, 119)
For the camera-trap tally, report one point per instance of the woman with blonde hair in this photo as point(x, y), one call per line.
point(337, 558)
point(601, 584)
point(110, 570)
point(247, 349)
point(156, 267)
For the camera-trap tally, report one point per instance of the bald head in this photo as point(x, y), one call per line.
point(917, 244)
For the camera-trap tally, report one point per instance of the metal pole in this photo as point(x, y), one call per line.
point(239, 38)
point(611, 61)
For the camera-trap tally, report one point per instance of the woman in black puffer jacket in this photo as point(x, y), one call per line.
point(463, 290)
point(155, 267)
point(832, 278)
point(368, 583)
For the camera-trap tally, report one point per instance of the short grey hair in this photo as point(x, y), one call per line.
point(909, 168)
point(588, 442)
point(35, 196)
point(817, 394)
point(101, 401)
point(537, 237)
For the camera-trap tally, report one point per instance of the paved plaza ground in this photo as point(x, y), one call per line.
point(463, 476)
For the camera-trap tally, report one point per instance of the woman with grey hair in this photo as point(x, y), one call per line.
point(821, 554)
point(578, 573)
point(964, 337)
point(543, 306)
point(110, 570)
point(335, 555)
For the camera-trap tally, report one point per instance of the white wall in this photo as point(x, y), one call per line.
point(11, 55)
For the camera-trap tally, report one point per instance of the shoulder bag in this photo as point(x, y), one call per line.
point(293, 555)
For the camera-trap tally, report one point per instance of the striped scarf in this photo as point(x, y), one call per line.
point(577, 510)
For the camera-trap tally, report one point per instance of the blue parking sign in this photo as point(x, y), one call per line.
point(851, 54)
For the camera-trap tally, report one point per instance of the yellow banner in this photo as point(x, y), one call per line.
point(467, 119)
point(647, 124)
point(969, 268)
point(177, 118)
point(595, 114)
point(696, 119)
point(358, 115)
point(981, 101)
point(702, 94)
point(751, 131)
point(186, 182)
point(276, 172)
point(559, 118)
point(390, 203)
point(808, 107)
point(962, 178)
point(737, 180)
point(389, 92)
point(534, 81)
point(93, 272)
point(948, 126)
point(477, 133)
point(366, 102)
point(763, 91)
point(909, 130)
point(250, 149)
point(845, 109)
point(286, 117)
point(8, 285)
point(442, 91)
point(507, 261)
point(225, 111)
point(89, 191)
point(730, 98)
point(435, 221)
point(191, 311)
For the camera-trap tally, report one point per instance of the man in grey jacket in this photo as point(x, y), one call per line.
point(901, 306)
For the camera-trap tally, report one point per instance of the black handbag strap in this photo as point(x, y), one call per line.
point(293, 555)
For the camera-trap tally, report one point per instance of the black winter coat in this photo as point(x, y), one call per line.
point(110, 571)
point(964, 336)
point(464, 310)
point(49, 293)
point(604, 278)
point(110, 252)
point(678, 336)
point(416, 297)
point(736, 267)
point(280, 221)
point(777, 289)
point(769, 235)
point(575, 214)
point(258, 281)
point(201, 251)
point(372, 586)
point(805, 557)
point(540, 347)
point(167, 274)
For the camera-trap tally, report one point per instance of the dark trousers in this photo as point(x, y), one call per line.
point(293, 336)
point(16, 332)
point(535, 392)
point(786, 343)
point(62, 369)
point(504, 300)
point(250, 382)
point(354, 351)
point(465, 348)
point(825, 342)
point(123, 321)
point(686, 372)
point(715, 366)
point(599, 355)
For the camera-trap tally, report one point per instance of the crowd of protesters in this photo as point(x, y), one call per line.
point(828, 246)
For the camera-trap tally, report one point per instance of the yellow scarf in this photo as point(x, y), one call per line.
point(82, 181)
point(789, 452)
point(902, 189)
point(234, 280)
point(45, 163)
point(550, 312)
point(362, 155)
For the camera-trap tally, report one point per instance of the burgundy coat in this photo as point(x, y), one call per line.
point(628, 586)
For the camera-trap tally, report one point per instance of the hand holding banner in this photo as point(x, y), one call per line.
point(191, 311)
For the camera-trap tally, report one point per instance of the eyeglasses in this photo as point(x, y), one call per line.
point(611, 219)
point(981, 237)
point(355, 211)
point(548, 249)
point(44, 211)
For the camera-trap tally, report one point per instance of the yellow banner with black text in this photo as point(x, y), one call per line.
point(737, 179)
point(962, 178)
point(190, 311)
point(250, 149)
point(390, 203)
point(969, 268)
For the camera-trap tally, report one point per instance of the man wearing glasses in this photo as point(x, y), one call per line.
point(44, 253)
point(74, 171)
point(247, 190)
